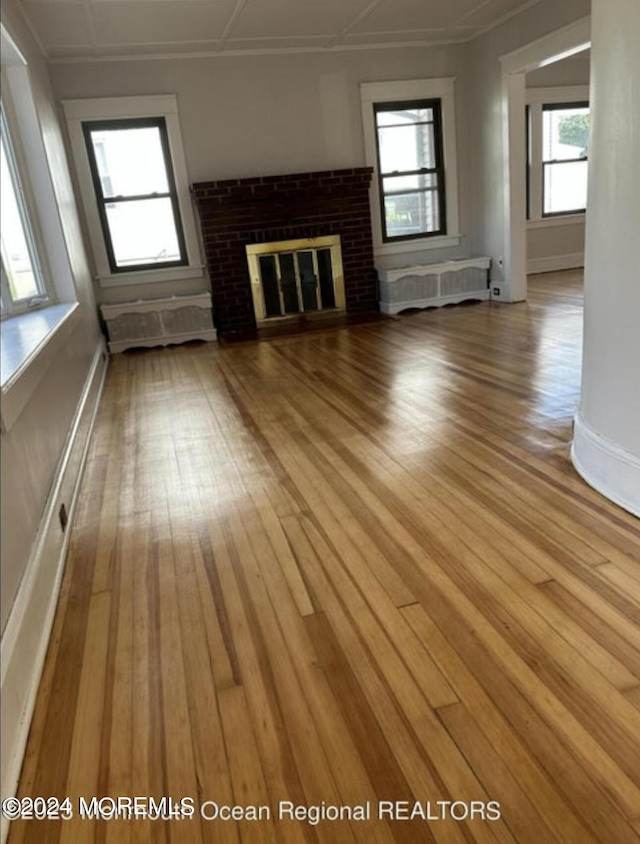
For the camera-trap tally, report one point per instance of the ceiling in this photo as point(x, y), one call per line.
point(72, 30)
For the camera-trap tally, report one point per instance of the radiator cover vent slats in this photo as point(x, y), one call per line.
point(432, 285)
point(159, 322)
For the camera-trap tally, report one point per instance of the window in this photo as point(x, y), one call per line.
point(410, 141)
point(410, 169)
point(22, 281)
point(134, 186)
point(557, 150)
point(136, 193)
point(565, 141)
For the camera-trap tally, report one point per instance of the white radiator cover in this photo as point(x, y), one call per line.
point(159, 322)
point(433, 285)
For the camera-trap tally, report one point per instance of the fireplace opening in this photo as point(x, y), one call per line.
point(293, 278)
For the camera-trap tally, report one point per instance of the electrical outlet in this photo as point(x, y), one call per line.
point(496, 291)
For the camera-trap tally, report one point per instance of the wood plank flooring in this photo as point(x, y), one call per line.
point(353, 569)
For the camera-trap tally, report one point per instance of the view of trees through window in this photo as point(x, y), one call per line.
point(573, 130)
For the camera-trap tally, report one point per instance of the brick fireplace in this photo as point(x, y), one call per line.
point(236, 213)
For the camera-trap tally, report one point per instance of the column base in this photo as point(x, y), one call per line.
point(604, 465)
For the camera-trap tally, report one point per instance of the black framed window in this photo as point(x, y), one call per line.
point(410, 169)
point(135, 189)
point(565, 147)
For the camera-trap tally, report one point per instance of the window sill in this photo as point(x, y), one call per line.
point(151, 276)
point(417, 245)
point(551, 222)
point(29, 342)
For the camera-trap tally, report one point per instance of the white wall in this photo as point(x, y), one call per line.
point(571, 71)
point(273, 114)
point(555, 246)
point(268, 114)
point(32, 448)
point(485, 114)
point(244, 116)
point(43, 448)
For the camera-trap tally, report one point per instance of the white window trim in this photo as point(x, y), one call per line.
point(413, 89)
point(30, 340)
point(26, 198)
point(536, 98)
point(114, 108)
point(18, 177)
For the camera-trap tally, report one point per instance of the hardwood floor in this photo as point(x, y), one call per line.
point(344, 569)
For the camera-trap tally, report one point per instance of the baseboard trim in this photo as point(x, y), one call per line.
point(24, 643)
point(604, 465)
point(553, 263)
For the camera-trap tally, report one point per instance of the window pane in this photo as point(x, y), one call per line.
point(130, 161)
point(565, 187)
point(565, 133)
point(143, 232)
point(410, 174)
point(391, 117)
point(17, 258)
point(407, 147)
point(411, 213)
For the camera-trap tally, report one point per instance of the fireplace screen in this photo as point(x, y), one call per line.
point(296, 277)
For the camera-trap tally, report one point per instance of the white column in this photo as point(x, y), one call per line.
point(606, 447)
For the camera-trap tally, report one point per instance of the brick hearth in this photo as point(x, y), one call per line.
point(238, 212)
